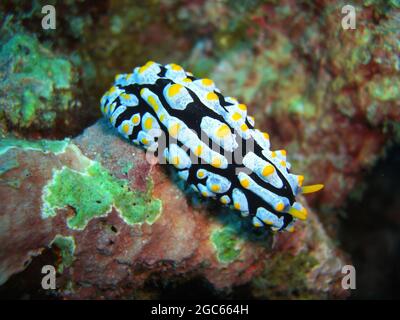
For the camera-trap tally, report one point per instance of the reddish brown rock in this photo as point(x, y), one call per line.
point(113, 258)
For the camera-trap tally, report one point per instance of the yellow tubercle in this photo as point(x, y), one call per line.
point(236, 116)
point(207, 82)
point(174, 89)
point(176, 67)
point(257, 224)
point(223, 131)
point(135, 119)
point(242, 106)
point(245, 183)
point(148, 123)
point(125, 96)
point(280, 206)
point(268, 169)
point(244, 127)
point(212, 96)
point(125, 128)
point(175, 160)
point(152, 101)
point(299, 214)
point(199, 149)
point(216, 162)
point(112, 89)
point(146, 66)
point(174, 130)
point(266, 221)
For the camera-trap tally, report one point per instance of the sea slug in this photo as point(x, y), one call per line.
point(210, 140)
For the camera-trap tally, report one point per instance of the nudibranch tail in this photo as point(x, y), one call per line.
point(207, 136)
point(312, 188)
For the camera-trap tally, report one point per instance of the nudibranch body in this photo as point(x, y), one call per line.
point(207, 139)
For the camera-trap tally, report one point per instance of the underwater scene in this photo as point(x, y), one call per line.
point(199, 149)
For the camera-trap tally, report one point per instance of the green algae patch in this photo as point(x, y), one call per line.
point(46, 146)
point(93, 193)
point(285, 276)
point(386, 89)
point(226, 244)
point(301, 106)
point(66, 247)
point(38, 84)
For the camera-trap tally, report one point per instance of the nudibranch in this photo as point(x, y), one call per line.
point(205, 136)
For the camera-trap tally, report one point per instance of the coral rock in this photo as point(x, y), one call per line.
point(118, 223)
